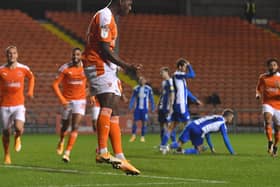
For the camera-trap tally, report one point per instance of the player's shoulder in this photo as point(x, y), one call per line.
point(65, 66)
point(170, 81)
point(23, 66)
point(3, 66)
point(136, 87)
point(263, 75)
point(178, 74)
point(148, 87)
point(219, 117)
point(105, 16)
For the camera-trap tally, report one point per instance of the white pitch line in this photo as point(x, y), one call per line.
point(123, 184)
point(178, 179)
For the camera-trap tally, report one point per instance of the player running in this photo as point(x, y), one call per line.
point(142, 95)
point(101, 63)
point(73, 98)
point(12, 110)
point(203, 127)
point(268, 89)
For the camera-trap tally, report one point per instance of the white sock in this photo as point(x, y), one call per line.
point(120, 156)
point(104, 150)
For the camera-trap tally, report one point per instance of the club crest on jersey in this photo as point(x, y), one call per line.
point(105, 31)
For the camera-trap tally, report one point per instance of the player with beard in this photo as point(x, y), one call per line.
point(101, 62)
point(268, 90)
point(73, 98)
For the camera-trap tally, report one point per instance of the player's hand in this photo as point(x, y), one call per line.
point(92, 100)
point(30, 96)
point(199, 102)
point(258, 96)
point(124, 98)
point(94, 127)
point(65, 104)
point(133, 68)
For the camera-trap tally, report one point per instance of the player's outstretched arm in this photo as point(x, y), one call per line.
point(152, 101)
point(226, 139)
point(108, 54)
point(209, 142)
point(132, 100)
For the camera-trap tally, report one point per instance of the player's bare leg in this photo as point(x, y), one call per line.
point(63, 132)
point(19, 127)
point(103, 128)
point(276, 139)
point(6, 143)
point(76, 119)
point(268, 131)
point(115, 137)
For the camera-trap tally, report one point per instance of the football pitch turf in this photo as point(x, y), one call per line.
point(38, 165)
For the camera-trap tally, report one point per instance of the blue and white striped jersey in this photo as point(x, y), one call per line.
point(211, 123)
point(181, 89)
point(214, 123)
point(143, 96)
point(167, 88)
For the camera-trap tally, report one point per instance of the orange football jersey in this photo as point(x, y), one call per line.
point(268, 88)
point(73, 81)
point(102, 28)
point(12, 84)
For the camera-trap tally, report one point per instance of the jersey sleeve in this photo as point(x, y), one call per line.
point(191, 96)
point(191, 73)
point(151, 98)
point(209, 142)
point(56, 89)
point(259, 86)
point(31, 82)
point(105, 27)
point(226, 139)
point(170, 85)
point(132, 99)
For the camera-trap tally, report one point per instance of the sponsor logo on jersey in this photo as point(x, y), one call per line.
point(104, 31)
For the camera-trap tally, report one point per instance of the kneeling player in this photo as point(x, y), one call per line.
point(202, 127)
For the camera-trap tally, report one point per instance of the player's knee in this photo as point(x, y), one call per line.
point(268, 122)
point(6, 132)
point(75, 127)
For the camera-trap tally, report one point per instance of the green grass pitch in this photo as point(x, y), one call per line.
point(38, 165)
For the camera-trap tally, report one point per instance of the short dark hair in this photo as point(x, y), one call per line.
point(181, 62)
point(227, 112)
point(269, 61)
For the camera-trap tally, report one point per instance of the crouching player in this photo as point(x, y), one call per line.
point(203, 127)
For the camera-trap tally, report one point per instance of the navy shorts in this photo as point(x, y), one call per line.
point(193, 133)
point(140, 114)
point(163, 116)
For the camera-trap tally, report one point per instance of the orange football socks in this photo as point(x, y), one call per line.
point(103, 128)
